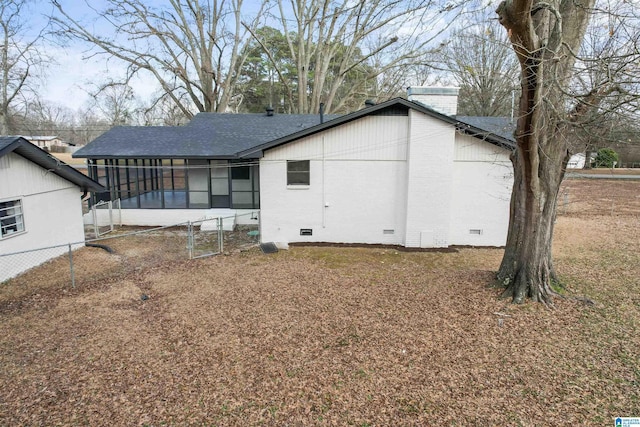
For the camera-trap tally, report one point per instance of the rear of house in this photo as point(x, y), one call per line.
point(402, 172)
point(401, 176)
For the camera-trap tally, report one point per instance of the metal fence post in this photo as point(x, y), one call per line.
point(119, 212)
point(220, 235)
point(110, 215)
point(96, 231)
point(190, 239)
point(73, 277)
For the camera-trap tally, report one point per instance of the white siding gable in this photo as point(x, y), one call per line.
point(370, 138)
point(23, 177)
point(358, 176)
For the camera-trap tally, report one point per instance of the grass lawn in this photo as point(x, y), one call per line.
point(329, 335)
point(66, 157)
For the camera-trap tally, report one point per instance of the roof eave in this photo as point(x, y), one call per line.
point(45, 160)
point(259, 150)
point(479, 133)
point(148, 157)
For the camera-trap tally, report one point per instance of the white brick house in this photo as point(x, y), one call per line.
point(395, 173)
point(399, 172)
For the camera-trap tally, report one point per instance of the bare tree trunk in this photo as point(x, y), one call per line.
point(543, 36)
point(587, 158)
point(527, 269)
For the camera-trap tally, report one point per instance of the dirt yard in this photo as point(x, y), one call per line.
point(330, 336)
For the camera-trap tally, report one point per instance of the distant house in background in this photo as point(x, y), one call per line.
point(401, 172)
point(577, 161)
point(40, 205)
point(48, 143)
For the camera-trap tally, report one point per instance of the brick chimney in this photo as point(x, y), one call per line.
point(442, 99)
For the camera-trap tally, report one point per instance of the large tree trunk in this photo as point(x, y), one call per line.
point(527, 269)
point(543, 35)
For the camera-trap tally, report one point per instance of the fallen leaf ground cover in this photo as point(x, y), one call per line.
point(329, 335)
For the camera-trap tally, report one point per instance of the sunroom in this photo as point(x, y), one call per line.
point(165, 175)
point(177, 183)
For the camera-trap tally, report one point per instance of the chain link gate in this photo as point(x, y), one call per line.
point(205, 238)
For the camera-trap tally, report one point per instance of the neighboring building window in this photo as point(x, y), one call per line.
point(11, 218)
point(298, 172)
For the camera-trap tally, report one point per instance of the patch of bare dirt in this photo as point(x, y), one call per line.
point(326, 336)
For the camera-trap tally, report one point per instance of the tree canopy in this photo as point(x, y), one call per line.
point(20, 56)
point(232, 56)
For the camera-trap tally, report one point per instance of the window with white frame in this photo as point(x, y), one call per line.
point(298, 172)
point(11, 218)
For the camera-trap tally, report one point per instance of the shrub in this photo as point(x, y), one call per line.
point(606, 158)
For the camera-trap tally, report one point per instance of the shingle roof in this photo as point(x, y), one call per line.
point(208, 135)
point(19, 145)
point(501, 126)
point(390, 106)
point(220, 135)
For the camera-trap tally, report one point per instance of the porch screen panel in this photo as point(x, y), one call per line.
point(220, 184)
point(150, 197)
point(101, 177)
point(123, 179)
point(198, 183)
point(243, 190)
point(132, 178)
point(255, 169)
point(177, 196)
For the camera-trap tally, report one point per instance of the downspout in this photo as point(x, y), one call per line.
point(324, 200)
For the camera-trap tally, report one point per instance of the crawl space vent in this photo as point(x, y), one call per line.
point(268, 248)
point(388, 231)
point(476, 231)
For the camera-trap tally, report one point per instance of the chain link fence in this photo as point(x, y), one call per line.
point(125, 251)
point(112, 210)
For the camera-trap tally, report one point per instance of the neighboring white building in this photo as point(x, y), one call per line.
point(46, 142)
point(576, 161)
point(396, 173)
point(40, 204)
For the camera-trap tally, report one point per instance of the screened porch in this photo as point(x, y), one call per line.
point(177, 183)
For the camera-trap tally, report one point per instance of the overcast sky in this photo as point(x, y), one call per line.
point(73, 72)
